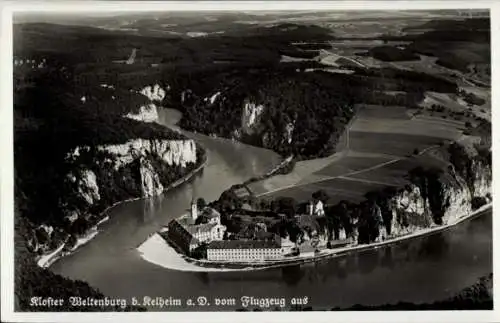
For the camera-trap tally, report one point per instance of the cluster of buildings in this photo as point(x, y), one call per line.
point(190, 232)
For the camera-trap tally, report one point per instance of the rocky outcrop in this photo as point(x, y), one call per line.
point(445, 203)
point(148, 113)
point(87, 187)
point(150, 180)
point(172, 152)
point(250, 116)
point(290, 127)
point(154, 92)
point(101, 176)
point(137, 157)
point(213, 98)
point(410, 211)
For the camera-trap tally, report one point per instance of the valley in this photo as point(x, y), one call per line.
point(390, 129)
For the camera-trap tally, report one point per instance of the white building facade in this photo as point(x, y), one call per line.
point(244, 251)
point(207, 232)
point(316, 209)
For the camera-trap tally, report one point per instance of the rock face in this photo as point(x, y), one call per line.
point(290, 127)
point(433, 198)
point(103, 175)
point(172, 153)
point(147, 113)
point(259, 127)
point(154, 93)
point(250, 116)
point(150, 180)
point(87, 187)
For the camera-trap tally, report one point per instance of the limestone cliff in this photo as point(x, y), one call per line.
point(172, 152)
point(433, 197)
point(103, 175)
point(154, 92)
point(149, 113)
point(259, 127)
point(448, 202)
point(251, 116)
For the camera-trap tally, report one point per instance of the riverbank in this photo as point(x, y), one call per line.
point(157, 251)
point(47, 260)
point(284, 167)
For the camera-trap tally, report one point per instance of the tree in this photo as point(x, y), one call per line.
point(287, 205)
point(320, 196)
point(229, 201)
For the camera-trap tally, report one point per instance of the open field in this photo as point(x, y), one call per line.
point(395, 173)
point(354, 185)
point(351, 164)
point(388, 112)
point(456, 104)
point(419, 127)
point(398, 144)
point(383, 144)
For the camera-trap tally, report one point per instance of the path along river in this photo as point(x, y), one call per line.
point(423, 269)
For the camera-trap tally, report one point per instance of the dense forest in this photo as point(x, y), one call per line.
point(51, 120)
point(31, 280)
point(392, 54)
point(62, 105)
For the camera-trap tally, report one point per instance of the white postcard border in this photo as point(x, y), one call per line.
point(6, 162)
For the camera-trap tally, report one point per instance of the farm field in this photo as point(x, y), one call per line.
point(395, 173)
point(384, 143)
point(353, 187)
point(396, 120)
point(337, 189)
point(350, 164)
point(368, 111)
point(391, 143)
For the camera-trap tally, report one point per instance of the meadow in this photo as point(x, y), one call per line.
point(383, 144)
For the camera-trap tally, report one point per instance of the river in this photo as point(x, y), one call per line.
point(423, 269)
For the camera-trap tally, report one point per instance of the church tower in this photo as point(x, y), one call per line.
point(194, 210)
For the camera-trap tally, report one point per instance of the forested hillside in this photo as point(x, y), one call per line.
point(314, 106)
point(72, 161)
